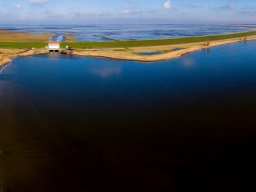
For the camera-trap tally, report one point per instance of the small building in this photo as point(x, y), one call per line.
point(54, 46)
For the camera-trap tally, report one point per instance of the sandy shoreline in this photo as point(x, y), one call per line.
point(166, 52)
point(6, 58)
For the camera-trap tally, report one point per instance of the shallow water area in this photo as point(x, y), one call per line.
point(87, 124)
point(149, 53)
point(101, 32)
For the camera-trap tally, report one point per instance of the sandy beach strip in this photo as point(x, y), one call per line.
point(5, 60)
point(166, 52)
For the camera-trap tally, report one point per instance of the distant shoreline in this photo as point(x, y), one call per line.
point(127, 50)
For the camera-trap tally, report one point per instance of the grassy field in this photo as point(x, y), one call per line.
point(129, 43)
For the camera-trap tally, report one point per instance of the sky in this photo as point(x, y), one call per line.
point(127, 11)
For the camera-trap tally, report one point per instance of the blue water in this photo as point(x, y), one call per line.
point(149, 53)
point(88, 124)
point(127, 32)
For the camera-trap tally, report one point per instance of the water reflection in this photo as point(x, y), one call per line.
point(106, 71)
point(54, 56)
point(188, 62)
point(160, 127)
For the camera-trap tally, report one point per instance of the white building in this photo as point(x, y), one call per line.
point(54, 46)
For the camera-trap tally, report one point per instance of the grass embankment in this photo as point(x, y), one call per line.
point(27, 42)
point(145, 43)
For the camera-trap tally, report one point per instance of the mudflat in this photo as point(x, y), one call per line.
point(9, 36)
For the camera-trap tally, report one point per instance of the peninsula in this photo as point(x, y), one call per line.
point(14, 45)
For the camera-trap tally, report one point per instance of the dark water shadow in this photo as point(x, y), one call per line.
point(7, 77)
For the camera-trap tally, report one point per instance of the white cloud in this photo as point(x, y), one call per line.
point(38, 2)
point(127, 11)
point(229, 6)
point(167, 4)
point(132, 12)
point(18, 6)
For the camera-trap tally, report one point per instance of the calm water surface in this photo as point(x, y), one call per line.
point(87, 124)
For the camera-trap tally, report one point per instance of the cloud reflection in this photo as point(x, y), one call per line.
point(106, 71)
point(188, 62)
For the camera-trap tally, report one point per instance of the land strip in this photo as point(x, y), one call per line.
point(160, 53)
point(125, 50)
